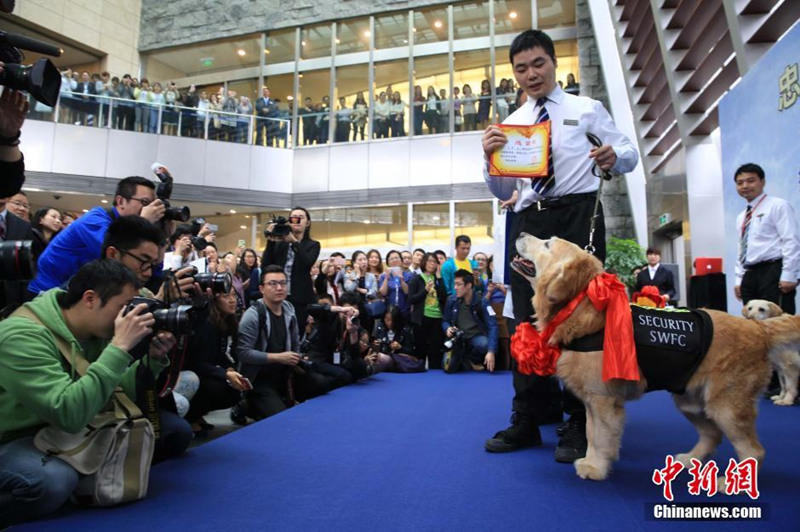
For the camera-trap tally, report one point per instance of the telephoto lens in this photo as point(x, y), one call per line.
point(16, 261)
point(176, 320)
point(220, 283)
point(180, 214)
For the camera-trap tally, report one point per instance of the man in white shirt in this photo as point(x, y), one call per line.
point(769, 250)
point(560, 204)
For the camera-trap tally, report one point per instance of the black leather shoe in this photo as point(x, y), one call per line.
point(522, 433)
point(572, 444)
point(238, 415)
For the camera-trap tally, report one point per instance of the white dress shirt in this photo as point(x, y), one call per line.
point(653, 270)
point(571, 118)
point(772, 235)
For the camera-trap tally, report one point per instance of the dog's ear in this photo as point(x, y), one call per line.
point(557, 289)
point(774, 310)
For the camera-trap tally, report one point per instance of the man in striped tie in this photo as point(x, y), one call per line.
point(769, 249)
point(560, 204)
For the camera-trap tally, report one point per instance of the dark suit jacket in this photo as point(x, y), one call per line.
point(417, 293)
point(91, 89)
point(305, 255)
point(663, 281)
point(15, 293)
point(266, 109)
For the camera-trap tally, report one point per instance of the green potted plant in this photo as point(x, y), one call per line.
point(622, 256)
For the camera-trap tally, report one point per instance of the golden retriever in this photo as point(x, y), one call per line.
point(785, 361)
point(720, 397)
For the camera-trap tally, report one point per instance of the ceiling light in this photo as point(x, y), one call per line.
point(290, 97)
point(366, 221)
point(247, 216)
point(266, 50)
point(302, 43)
point(414, 30)
point(367, 34)
point(338, 41)
point(233, 211)
point(241, 52)
point(405, 41)
point(437, 24)
point(512, 15)
point(242, 227)
point(85, 210)
point(103, 201)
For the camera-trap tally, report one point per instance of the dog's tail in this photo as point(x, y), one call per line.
point(783, 332)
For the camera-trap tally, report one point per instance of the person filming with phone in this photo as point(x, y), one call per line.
point(295, 252)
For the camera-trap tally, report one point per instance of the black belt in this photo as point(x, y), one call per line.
point(762, 264)
point(563, 201)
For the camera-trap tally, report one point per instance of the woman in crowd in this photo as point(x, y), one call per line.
point(67, 217)
point(250, 270)
point(157, 100)
point(211, 360)
point(296, 253)
point(468, 102)
point(382, 115)
point(397, 116)
point(481, 276)
point(45, 224)
point(393, 283)
point(169, 116)
point(360, 114)
point(458, 118)
point(572, 87)
point(202, 106)
point(361, 282)
point(330, 281)
point(432, 106)
point(394, 342)
point(142, 95)
point(245, 109)
point(228, 120)
point(428, 296)
point(484, 105)
point(213, 123)
point(229, 264)
point(501, 104)
point(419, 103)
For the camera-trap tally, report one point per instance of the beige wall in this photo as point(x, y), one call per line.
point(111, 26)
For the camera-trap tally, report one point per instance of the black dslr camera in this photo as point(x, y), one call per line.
point(16, 260)
point(164, 193)
point(219, 283)
point(41, 79)
point(198, 241)
point(280, 230)
point(178, 320)
point(454, 340)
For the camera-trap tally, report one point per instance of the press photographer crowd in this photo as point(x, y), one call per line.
point(123, 327)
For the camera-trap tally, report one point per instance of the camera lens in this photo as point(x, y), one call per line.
point(16, 260)
point(220, 283)
point(176, 320)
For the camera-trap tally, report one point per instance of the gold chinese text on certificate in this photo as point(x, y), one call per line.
point(525, 153)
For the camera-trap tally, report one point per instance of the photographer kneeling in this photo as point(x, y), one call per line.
point(470, 327)
point(37, 391)
point(267, 349)
point(335, 331)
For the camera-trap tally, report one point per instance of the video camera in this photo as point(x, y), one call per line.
point(452, 341)
point(164, 193)
point(16, 260)
point(280, 230)
point(42, 80)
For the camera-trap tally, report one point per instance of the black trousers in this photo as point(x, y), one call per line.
point(213, 394)
point(535, 396)
point(761, 282)
point(429, 339)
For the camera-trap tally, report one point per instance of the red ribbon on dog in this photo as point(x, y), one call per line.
point(534, 354)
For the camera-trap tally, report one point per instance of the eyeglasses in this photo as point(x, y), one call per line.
point(144, 264)
point(21, 205)
point(276, 284)
point(144, 201)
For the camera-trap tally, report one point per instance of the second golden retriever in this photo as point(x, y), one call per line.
point(785, 361)
point(720, 397)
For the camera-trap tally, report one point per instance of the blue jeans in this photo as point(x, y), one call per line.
point(30, 486)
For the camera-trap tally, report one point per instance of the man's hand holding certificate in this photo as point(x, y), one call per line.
point(517, 151)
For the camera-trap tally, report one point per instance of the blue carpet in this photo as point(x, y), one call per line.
point(405, 452)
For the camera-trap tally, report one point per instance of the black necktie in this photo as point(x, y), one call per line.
point(543, 184)
point(2, 228)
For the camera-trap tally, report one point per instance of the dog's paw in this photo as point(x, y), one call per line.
point(783, 401)
point(776, 398)
point(588, 470)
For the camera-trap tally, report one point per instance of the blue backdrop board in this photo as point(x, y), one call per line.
point(405, 453)
point(760, 123)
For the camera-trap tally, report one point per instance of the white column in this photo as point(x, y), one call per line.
point(706, 204)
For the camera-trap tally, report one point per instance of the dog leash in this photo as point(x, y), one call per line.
point(604, 175)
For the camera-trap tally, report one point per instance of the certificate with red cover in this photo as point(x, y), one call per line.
point(525, 153)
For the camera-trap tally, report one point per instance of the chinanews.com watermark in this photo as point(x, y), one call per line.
point(738, 478)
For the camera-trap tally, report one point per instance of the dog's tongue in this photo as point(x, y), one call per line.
point(524, 266)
